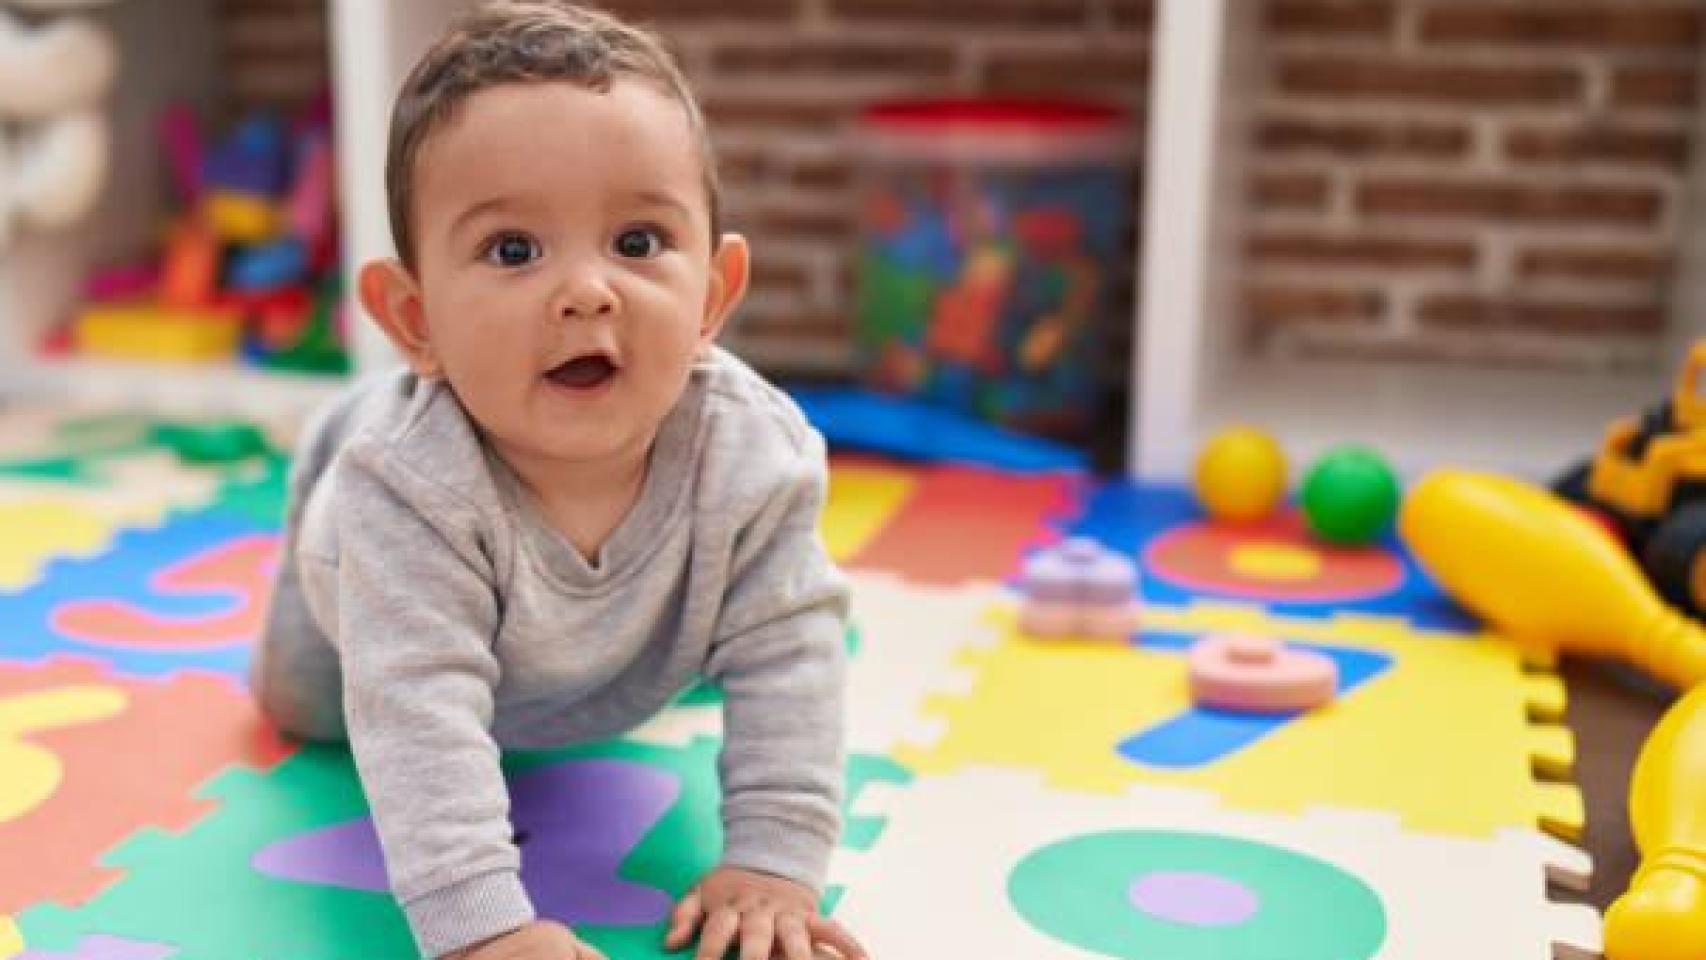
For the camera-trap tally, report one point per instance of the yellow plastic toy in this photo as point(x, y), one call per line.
point(1663, 916)
point(146, 331)
point(1649, 477)
point(1240, 475)
point(242, 217)
point(1546, 576)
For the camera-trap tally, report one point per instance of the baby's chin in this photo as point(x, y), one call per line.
point(593, 438)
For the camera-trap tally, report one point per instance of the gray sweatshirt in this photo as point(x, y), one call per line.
point(426, 610)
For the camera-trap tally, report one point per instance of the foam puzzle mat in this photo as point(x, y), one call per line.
point(1007, 796)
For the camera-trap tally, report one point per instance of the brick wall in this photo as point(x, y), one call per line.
point(275, 52)
point(1490, 179)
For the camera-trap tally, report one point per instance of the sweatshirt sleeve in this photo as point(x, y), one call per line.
point(417, 616)
point(780, 661)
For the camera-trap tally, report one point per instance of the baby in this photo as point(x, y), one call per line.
point(569, 505)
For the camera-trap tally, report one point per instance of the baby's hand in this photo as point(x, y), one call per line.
point(539, 940)
point(768, 914)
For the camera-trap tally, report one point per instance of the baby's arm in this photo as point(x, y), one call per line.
point(417, 614)
point(780, 661)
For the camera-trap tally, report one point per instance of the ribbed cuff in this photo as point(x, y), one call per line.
point(466, 913)
point(778, 847)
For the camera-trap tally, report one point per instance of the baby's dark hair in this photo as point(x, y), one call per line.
point(525, 41)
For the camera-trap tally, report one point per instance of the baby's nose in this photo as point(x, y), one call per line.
point(587, 297)
point(589, 307)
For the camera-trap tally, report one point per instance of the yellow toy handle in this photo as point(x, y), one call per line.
point(1544, 575)
point(1663, 915)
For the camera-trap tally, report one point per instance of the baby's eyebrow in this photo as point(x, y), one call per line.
point(488, 204)
point(659, 198)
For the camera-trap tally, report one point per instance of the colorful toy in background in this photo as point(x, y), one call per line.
point(1079, 588)
point(1349, 497)
point(991, 231)
point(54, 136)
point(1647, 483)
point(1549, 577)
point(247, 267)
point(1240, 475)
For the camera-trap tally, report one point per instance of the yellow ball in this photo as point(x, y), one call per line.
point(1240, 475)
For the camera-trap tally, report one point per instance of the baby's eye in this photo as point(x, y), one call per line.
point(641, 242)
point(511, 250)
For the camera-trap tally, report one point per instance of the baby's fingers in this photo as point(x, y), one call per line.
point(791, 933)
point(684, 920)
point(719, 934)
point(757, 936)
point(827, 931)
point(586, 951)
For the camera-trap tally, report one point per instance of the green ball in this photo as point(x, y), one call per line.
point(1350, 495)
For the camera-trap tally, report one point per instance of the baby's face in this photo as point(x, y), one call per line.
point(564, 264)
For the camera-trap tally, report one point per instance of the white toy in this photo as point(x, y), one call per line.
point(54, 137)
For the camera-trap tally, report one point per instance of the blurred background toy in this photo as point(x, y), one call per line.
point(1649, 481)
point(1350, 495)
point(1078, 588)
point(990, 238)
point(248, 267)
point(1545, 575)
point(1253, 673)
point(54, 137)
point(1240, 475)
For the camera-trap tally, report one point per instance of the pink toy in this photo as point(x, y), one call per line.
point(190, 275)
point(1259, 674)
point(1079, 588)
point(310, 205)
point(183, 151)
point(123, 282)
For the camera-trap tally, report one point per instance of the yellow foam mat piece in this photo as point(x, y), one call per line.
point(1442, 738)
point(39, 529)
point(11, 941)
point(862, 499)
point(1552, 748)
point(1546, 694)
point(43, 519)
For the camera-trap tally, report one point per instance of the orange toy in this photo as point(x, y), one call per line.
point(1663, 916)
point(190, 275)
point(1544, 575)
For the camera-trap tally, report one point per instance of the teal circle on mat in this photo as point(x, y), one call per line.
point(1079, 891)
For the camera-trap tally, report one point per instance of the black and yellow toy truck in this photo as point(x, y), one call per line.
point(1649, 479)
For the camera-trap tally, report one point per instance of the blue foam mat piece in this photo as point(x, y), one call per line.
point(865, 420)
point(123, 572)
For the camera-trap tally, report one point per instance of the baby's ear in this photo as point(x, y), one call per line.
point(730, 268)
point(393, 299)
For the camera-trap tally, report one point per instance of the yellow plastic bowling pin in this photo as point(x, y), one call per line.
point(1663, 916)
point(1544, 575)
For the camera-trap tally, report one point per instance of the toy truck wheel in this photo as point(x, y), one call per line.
point(1675, 559)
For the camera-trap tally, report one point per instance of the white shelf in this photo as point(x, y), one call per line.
point(1529, 423)
point(374, 42)
point(1188, 376)
point(220, 388)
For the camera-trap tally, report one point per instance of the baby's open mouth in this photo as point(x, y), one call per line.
point(583, 373)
